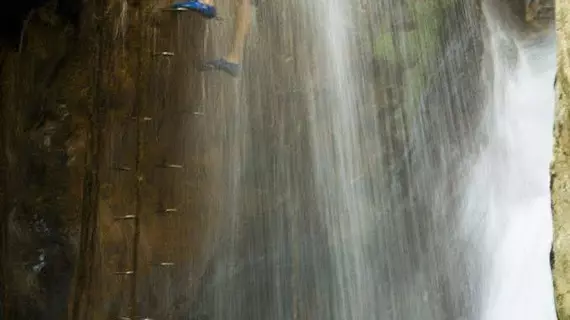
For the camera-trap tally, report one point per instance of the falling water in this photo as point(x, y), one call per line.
point(509, 189)
point(356, 186)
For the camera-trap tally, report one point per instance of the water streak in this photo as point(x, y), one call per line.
point(509, 188)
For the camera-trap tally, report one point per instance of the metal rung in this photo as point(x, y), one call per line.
point(175, 9)
point(168, 210)
point(142, 118)
point(166, 264)
point(164, 54)
point(185, 111)
point(122, 168)
point(125, 273)
point(129, 318)
point(126, 217)
point(170, 166)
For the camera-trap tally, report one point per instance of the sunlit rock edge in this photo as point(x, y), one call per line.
point(560, 171)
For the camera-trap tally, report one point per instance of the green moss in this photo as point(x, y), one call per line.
point(415, 48)
point(417, 43)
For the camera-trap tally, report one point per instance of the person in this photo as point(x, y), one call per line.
point(231, 62)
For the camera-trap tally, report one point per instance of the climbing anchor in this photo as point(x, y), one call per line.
point(167, 210)
point(165, 264)
point(164, 54)
point(121, 168)
point(166, 165)
point(126, 217)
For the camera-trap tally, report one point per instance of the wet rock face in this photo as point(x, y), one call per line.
point(66, 119)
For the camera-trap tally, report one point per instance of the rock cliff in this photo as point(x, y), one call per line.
point(560, 170)
point(80, 148)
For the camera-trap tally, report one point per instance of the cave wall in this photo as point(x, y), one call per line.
point(560, 168)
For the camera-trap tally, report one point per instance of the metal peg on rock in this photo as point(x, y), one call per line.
point(126, 217)
point(164, 54)
point(125, 273)
point(168, 210)
point(170, 166)
point(122, 168)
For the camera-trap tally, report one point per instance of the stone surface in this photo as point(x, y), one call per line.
point(561, 165)
point(69, 100)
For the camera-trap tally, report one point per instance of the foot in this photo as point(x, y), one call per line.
point(222, 64)
point(206, 10)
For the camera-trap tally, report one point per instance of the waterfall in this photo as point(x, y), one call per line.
point(509, 188)
point(371, 154)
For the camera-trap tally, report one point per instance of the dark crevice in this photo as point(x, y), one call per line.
point(13, 20)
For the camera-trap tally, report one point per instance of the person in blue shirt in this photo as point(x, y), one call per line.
point(231, 62)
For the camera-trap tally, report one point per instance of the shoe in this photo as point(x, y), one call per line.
point(222, 64)
point(206, 10)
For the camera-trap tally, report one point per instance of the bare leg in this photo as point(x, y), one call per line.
point(230, 63)
point(242, 25)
